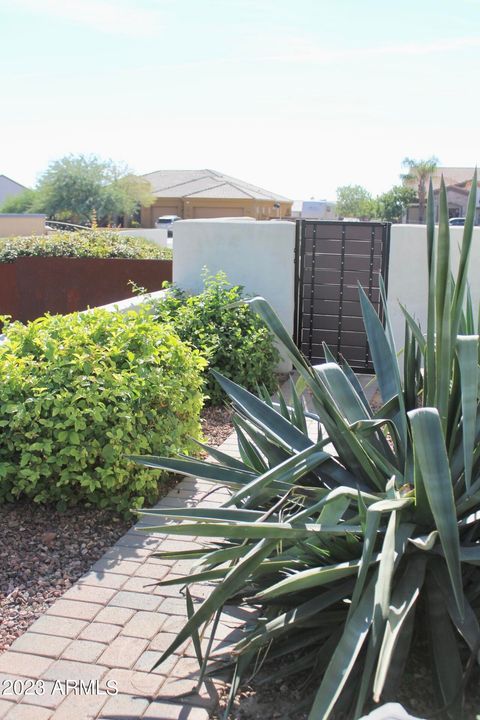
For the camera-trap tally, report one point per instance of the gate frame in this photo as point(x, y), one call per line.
point(300, 225)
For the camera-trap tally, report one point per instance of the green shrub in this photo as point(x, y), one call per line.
point(364, 537)
point(81, 392)
point(85, 243)
point(235, 341)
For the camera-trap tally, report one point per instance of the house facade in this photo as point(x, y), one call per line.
point(209, 194)
point(458, 182)
point(9, 188)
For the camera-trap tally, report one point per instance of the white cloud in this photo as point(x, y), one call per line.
point(301, 51)
point(124, 17)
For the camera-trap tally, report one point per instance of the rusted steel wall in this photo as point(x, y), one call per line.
point(32, 286)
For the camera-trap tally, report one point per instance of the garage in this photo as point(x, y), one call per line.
point(216, 212)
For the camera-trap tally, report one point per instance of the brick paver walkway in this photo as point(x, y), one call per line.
point(108, 630)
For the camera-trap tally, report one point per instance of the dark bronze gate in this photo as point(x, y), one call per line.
point(331, 258)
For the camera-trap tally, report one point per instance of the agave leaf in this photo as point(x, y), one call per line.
point(196, 468)
point(415, 329)
point(221, 514)
point(385, 362)
point(470, 555)
point(462, 276)
point(446, 657)
point(291, 620)
point(354, 381)
point(255, 530)
point(430, 451)
point(469, 316)
point(284, 410)
point(443, 293)
point(342, 391)
point(344, 408)
point(298, 415)
point(430, 360)
point(274, 454)
point(373, 516)
point(380, 611)
point(467, 626)
point(290, 471)
point(271, 422)
point(222, 555)
point(180, 554)
point(345, 655)
point(232, 582)
point(467, 352)
point(272, 321)
point(404, 596)
point(306, 579)
point(195, 636)
point(249, 454)
point(334, 510)
point(241, 667)
point(425, 542)
point(222, 458)
point(385, 570)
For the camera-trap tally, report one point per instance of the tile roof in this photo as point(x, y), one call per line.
point(451, 175)
point(205, 184)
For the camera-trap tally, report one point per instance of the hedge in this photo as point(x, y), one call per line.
point(82, 244)
point(82, 392)
point(234, 340)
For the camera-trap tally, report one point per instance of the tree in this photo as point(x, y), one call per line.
point(24, 202)
point(355, 201)
point(391, 205)
point(73, 188)
point(419, 171)
point(125, 194)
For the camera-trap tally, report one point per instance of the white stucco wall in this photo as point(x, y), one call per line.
point(256, 254)
point(407, 275)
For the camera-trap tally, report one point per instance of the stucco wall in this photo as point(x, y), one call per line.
point(13, 224)
point(258, 255)
point(407, 276)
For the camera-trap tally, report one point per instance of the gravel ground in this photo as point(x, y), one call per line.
point(44, 552)
point(216, 424)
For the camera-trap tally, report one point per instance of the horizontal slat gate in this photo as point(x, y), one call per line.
point(331, 259)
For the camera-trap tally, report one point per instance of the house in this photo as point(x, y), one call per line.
point(209, 194)
point(314, 209)
point(458, 182)
point(9, 188)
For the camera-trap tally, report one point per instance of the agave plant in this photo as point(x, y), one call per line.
point(352, 537)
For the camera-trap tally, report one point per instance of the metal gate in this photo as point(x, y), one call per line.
point(331, 258)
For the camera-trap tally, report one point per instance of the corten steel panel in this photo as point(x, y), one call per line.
point(332, 259)
point(32, 286)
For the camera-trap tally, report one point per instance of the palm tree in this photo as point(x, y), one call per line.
point(420, 171)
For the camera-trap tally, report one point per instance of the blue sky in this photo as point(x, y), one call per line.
point(298, 97)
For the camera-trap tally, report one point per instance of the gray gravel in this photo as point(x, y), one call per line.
point(44, 552)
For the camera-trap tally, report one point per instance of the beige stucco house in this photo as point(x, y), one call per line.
point(209, 194)
point(458, 182)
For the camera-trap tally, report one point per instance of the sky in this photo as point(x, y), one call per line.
point(296, 96)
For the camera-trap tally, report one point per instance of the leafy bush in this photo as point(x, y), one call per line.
point(369, 535)
point(79, 393)
point(235, 341)
point(85, 243)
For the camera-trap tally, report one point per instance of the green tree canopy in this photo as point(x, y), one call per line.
point(74, 187)
point(391, 204)
point(418, 172)
point(22, 203)
point(355, 201)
